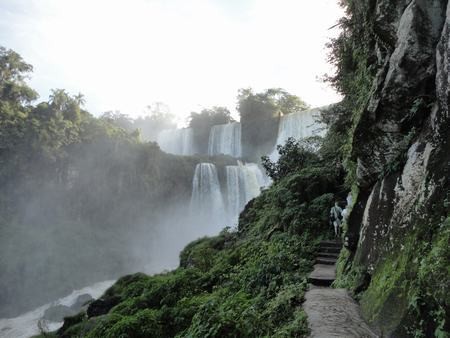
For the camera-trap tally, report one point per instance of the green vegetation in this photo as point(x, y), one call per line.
point(249, 282)
point(261, 111)
point(405, 290)
point(413, 283)
point(53, 152)
point(155, 118)
point(69, 181)
point(355, 62)
point(202, 122)
point(294, 155)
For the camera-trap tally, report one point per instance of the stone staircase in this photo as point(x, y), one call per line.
point(324, 272)
point(332, 312)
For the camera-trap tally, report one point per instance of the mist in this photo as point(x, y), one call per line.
point(113, 207)
point(89, 199)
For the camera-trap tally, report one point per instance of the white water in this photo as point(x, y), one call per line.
point(177, 141)
point(26, 325)
point(244, 183)
point(235, 198)
point(299, 126)
point(225, 139)
point(206, 200)
point(263, 179)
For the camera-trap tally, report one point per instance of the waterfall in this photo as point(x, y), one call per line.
point(177, 141)
point(206, 200)
point(263, 179)
point(243, 184)
point(235, 197)
point(298, 125)
point(225, 139)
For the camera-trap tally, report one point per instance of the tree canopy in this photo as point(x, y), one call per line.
point(202, 122)
point(261, 112)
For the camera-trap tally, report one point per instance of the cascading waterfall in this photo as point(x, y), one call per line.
point(263, 179)
point(177, 141)
point(225, 139)
point(235, 197)
point(299, 126)
point(244, 183)
point(206, 200)
point(251, 184)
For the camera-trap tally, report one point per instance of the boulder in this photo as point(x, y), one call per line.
point(57, 313)
point(81, 302)
point(102, 306)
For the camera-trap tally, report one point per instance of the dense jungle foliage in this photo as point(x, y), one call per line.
point(250, 281)
point(262, 111)
point(245, 282)
point(68, 181)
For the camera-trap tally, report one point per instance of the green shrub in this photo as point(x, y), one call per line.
point(244, 283)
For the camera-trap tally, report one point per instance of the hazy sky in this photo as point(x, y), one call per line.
point(189, 54)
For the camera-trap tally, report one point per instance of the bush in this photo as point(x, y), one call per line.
point(244, 283)
point(294, 155)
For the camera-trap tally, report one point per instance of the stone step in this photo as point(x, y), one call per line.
point(333, 313)
point(323, 275)
point(331, 243)
point(320, 281)
point(327, 255)
point(330, 249)
point(327, 261)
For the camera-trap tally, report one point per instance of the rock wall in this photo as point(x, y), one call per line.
point(402, 150)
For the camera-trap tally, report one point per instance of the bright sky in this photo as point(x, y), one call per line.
point(190, 54)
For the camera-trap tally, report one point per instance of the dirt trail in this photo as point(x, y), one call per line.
point(332, 312)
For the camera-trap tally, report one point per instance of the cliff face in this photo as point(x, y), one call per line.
point(402, 154)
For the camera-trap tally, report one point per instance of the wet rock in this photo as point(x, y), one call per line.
point(405, 82)
point(102, 306)
point(57, 313)
point(401, 145)
point(69, 322)
point(441, 112)
point(81, 302)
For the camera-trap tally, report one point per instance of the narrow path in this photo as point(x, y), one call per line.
point(332, 312)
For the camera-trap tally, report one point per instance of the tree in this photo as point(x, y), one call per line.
point(261, 111)
point(79, 99)
point(202, 122)
point(118, 119)
point(268, 104)
point(13, 72)
point(157, 117)
point(294, 156)
point(15, 95)
point(62, 103)
point(210, 117)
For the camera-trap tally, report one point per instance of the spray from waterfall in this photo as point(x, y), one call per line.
point(177, 141)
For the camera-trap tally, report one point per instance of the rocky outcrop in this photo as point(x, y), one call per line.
point(57, 313)
point(418, 61)
point(405, 86)
point(401, 147)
